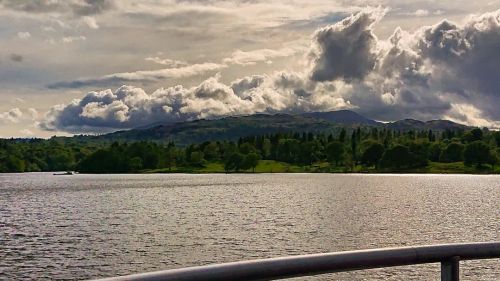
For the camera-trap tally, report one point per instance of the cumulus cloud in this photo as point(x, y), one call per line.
point(91, 22)
point(460, 61)
point(12, 116)
point(347, 49)
point(141, 76)
point(421, 74)
point(24, 35)
point(447, 70)
point(33, 113)
point(129, 107)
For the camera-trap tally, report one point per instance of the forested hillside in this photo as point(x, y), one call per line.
point(233, 128)
point(349, 150)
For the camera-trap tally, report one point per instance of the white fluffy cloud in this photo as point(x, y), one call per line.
point(129, 107)
point(446, 70)
point(422, 74)
point(12, 116)
point(24, 35)
point(33, 113)
point(91, 22)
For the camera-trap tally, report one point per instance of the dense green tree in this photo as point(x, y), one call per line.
point(354, 147)
point(335, 152)
point(478, 153)
point(135, 164)
point(266, 148)
point(431, 136)
point(454, 152)
point(228, 149)
point(473, 135)
point(247, 148)
point(288, 150)
point(14, 164)
point(234, 162)
point(342, 135)
point(197, 158)
point(211, 151)
point(372, 154)
point(292, 148)
point(102, 161)
point(496, 136)
point(435, 150)
point(398, 157)
point(308, 153)
point(60, 160)
point(420, 153)
point(250, 161)
point(494, 158)
point(170, 157)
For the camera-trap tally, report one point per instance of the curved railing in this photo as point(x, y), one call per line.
point(449, 255)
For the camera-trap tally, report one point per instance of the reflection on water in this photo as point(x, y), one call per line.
point(90, 226)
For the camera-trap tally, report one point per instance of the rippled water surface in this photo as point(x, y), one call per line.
point(90, 226)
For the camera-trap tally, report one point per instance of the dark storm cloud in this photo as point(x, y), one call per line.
point(345, 50)
point(455, 63)
point(466, 60)
point(427, 74)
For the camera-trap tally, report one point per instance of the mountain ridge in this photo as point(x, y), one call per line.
point(234, 127)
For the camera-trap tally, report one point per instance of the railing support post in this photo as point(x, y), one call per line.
point(450, 269)
point(449, 255)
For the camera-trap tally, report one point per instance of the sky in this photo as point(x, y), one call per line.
point(95, 66)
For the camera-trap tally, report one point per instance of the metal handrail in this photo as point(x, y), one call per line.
point(448, 255)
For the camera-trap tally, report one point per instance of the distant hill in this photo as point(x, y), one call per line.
point(435, 125)
point(232, 128)
point(346, 117)
point(229, 128)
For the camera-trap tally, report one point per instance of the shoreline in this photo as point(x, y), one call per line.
point(275, 167)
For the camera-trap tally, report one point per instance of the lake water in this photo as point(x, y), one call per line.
point(91, 226)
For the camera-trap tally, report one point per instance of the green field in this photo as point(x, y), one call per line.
point(264, 166)
point(456, 168)
point(271, 166)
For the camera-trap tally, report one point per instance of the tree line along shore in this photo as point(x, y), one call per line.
point(368, 150)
